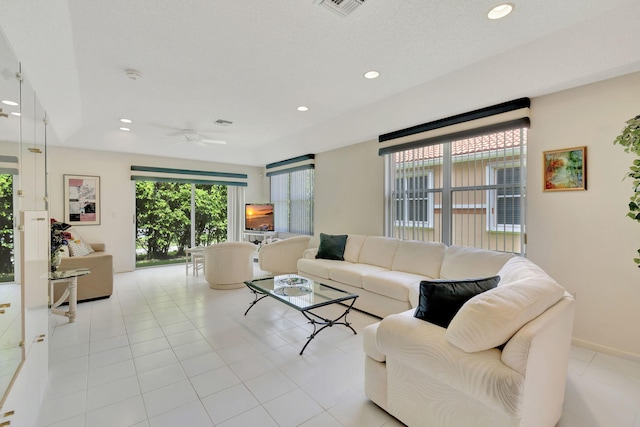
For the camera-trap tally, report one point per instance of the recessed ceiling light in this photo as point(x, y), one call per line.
point(303, 108)
point(371, 74)
point(7, 102)
point(125, 120)
point(15, 113)
point(125, 129)
point(500, 11)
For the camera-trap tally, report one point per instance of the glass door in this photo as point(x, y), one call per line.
point(173, 216)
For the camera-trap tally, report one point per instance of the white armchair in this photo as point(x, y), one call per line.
point(228, 265)
point(281, 257)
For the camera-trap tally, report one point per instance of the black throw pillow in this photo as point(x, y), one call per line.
point(440, 300)
point(332, 247)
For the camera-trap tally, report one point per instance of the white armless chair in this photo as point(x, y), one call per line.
point(228, 265)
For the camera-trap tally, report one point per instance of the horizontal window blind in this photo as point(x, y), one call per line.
point(501, 117)
point(187, 176)
point(291, 165)
point(9, 165)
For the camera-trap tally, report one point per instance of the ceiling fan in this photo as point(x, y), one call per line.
point(190, 135)
point(193, 137)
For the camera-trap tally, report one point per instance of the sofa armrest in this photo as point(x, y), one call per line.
point(97, 284)
point(422, 346)
point(98, 247)
point(310, 253)
point(370, 343)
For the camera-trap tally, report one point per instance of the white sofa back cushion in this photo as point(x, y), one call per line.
point(462, 262)
point(379, 251)
point(491, 318)
point(354, 245)
point(424, 258)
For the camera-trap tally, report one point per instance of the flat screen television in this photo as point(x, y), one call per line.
point(258, 217)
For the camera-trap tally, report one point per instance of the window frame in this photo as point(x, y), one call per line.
point(492, 213)
point(428, 193)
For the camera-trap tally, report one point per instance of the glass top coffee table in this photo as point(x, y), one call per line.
point(304, 295)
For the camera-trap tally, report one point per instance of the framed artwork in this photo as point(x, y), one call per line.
point(565, 170)
point(81, 200)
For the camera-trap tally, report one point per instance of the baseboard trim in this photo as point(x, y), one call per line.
point(606, 350)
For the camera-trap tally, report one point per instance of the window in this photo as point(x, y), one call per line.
point(413, 202)
point(504, 211)
point(292, 196)
point(465, 192)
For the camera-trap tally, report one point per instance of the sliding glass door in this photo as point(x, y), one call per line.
point(173, 216)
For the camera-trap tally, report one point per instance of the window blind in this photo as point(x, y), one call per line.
point(466, 191)
point(292, 191)
point(9, 165)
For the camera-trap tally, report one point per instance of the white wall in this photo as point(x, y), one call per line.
point(349, 191)
point(117, 192)
point(580, 238)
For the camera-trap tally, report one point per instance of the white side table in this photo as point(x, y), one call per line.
point(71, 291)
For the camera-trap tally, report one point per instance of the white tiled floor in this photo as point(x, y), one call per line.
point(166, 350)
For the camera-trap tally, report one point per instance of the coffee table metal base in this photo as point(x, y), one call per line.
point(313, 318)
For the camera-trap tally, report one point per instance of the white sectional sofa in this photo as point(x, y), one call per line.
point(501, 362)
point(386, 273)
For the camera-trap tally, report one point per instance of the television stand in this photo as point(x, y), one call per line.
point(257, 237)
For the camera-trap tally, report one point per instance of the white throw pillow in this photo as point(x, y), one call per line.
point(491, 318)
point(77, 245)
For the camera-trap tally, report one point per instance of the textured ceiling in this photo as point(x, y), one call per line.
point(253, 62)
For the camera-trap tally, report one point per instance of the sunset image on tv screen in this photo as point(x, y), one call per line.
point(259, 217)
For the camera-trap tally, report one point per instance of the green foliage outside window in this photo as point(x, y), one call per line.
point(6, 228)
point(163, 215)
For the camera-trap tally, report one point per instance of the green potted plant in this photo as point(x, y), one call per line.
point(630, 140)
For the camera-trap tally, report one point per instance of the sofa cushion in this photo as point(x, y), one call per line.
point(380, 251)
point(352, 274)
point(424, 258)
point(332, 246)
point(461, 262)
point(492, 318)
point(354, 245)
point(440, 300)
point(317, 267)
point(392, 284)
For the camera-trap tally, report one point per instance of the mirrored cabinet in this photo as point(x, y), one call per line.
point(24, 244)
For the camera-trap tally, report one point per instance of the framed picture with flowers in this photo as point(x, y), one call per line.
point(81, 200)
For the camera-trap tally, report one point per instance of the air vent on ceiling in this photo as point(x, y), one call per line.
point(221, 122)
point(341, 7)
